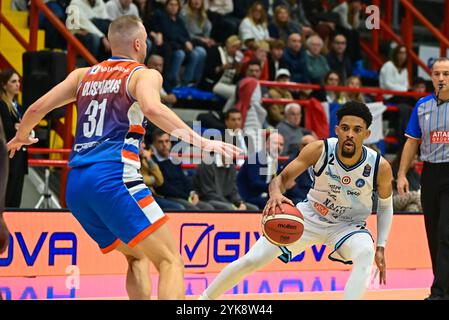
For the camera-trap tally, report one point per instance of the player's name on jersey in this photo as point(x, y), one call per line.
point(92, 88)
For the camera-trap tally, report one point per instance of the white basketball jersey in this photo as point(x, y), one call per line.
point(342, 194)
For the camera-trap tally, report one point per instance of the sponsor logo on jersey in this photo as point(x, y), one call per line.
point(94, 70)
point(333, 196)
point(333, 176)
point(321, 209)
point(346, 180)
point(439, 137)
point(332, 206)
point(367, 171)
point(334, 188)
point(353, 192)
point(360, 183)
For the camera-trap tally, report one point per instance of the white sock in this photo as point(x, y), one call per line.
point(258, 256)
point(359, 248)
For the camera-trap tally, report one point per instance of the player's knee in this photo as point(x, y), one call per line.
point(137, 262)
point(172, 261)
point(364, 254)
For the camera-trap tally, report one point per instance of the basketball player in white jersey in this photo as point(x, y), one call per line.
point(347, 177)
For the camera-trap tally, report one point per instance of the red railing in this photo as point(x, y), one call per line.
point(406, 38)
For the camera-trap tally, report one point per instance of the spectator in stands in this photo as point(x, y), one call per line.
point(19, 5)
point(250, 99)
point(254, 27)
point(291, 129)
point(337, 58)
point(303, 183)
point(118, 8)
point(282, 26)
point(197, 23)
point(234, 133)
point(147, 12)
point(356, 83)
point(216, 184)
point(350, 20)
point(349, 12)
point(316, 63)
point(176, 186)
point(53, 38)
point(276, 59)
point(10, 115)
point(180, 45)
point(259, 51)
point(410, 201)
point(142, 7)
point(297, 14)
point(258, 171)
point(222, 67)
point(224, 23)
point(294, 56)
point(92, 26)
point(157, 62)
point(152, 177)
point(331, 79)
point(276, 111)
point(394, 74)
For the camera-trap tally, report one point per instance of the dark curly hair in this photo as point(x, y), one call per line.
point(357, 109)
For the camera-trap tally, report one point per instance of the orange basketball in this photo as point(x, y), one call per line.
point(283, 229)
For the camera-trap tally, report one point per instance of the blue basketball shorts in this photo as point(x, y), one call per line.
point(112, 204)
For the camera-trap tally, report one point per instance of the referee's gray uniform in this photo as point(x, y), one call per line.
point(429, 122)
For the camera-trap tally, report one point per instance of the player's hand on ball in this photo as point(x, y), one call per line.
point(381, 265)
point(273, 202)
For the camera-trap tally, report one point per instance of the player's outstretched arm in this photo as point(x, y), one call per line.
point(145, 86)
point(308, 156)
point(60, 95)
point(384, 215)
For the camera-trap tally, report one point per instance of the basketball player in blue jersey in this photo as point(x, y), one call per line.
point(346, 177)
point(105, 190)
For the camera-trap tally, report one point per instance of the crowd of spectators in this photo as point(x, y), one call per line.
point(227, 47)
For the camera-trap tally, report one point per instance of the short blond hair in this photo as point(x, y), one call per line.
point(124, 25)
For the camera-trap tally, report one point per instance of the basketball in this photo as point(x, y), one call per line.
point(283, 229)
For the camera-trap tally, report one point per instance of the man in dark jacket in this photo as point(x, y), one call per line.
point(176, 186)
point(294, 56)
point(216, 183)
point(258, 170)
point(337, 58)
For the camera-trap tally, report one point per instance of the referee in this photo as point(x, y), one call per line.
point(429, 126)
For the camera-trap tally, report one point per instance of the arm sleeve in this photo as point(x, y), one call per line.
point(413, 128)
point(384, 220)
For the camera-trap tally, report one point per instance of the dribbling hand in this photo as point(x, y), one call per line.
point(273, 202)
